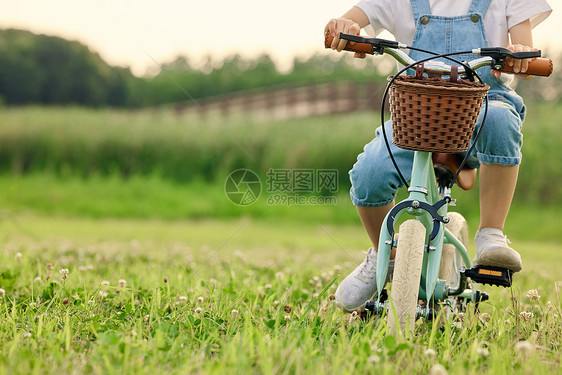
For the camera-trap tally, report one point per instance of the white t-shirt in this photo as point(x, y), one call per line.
point(397, 17)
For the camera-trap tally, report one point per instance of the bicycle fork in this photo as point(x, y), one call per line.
point(423, 191)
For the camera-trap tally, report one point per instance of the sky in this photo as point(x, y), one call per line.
point(142, 34)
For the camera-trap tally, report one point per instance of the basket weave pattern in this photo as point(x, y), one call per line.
point(432, 114)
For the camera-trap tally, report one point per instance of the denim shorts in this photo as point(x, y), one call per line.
point(374, 179)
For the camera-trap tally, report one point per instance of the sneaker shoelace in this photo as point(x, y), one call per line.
point(504, 239)
point(368, 268)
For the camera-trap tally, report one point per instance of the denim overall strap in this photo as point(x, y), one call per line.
point(450, 34)
point(480, 7)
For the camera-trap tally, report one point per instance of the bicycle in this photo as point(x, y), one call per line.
point(432, 264)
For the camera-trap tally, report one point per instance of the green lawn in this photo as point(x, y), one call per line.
point(165, 275)
point(241, 295)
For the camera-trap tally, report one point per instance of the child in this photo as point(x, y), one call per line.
point(445, 26)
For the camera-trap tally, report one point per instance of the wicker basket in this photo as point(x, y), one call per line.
point(432, 114)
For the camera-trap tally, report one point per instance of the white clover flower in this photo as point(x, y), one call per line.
point(287, 318)
point(353, 317)
point(276, 303)
point(373, 358)
point(526, 315)
point(122, 283)
point(279, 275)
point(198, 310)
point(27, 334)
point(267, 286)
point(533, 295)
point(457, 325)
point(2, 293)
point(38, 279)
point(438, 369)
point(200, 299)
point(64, 273)
point(18, 257)
point(105, 283)
point(213, 282)
point(430, 353)
point(234, 314)
point(482, 352)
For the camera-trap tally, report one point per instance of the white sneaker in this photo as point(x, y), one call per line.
point(492, 249)
point(360, 285)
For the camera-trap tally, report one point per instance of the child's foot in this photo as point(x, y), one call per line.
point(360, 285)
point(492, 249)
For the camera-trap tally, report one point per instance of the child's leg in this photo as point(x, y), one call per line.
point(374, 183)
point(372, 219)
point(497, 186)
point(499, 152)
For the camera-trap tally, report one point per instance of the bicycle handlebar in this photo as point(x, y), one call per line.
point(538, 67)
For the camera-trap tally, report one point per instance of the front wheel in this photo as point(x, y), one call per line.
point(406, 278)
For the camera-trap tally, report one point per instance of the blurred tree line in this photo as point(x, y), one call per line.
point(51, 70)
point(41, 69)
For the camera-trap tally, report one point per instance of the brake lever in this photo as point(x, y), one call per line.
point(498, 54)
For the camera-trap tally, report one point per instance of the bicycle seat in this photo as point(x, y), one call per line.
point(449, 164)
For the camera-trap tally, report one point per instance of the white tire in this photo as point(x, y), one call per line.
point(451, 259)
point(406, 278)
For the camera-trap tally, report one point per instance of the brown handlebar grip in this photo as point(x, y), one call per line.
point(357, 47)
point(537, 67)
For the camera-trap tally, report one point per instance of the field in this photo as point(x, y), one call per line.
point(238, 296)
point(117, 257)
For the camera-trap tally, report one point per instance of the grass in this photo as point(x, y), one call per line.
point(165, 275)
point(79, 142)
point(157, 198)
point(237, 296)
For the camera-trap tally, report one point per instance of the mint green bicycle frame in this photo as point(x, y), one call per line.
point(423, 189)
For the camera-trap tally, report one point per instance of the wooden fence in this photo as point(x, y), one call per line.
point(290, 101)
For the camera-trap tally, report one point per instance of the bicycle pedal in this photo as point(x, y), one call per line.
point(490, 275)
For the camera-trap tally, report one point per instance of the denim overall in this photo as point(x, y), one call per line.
point(374, 179)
